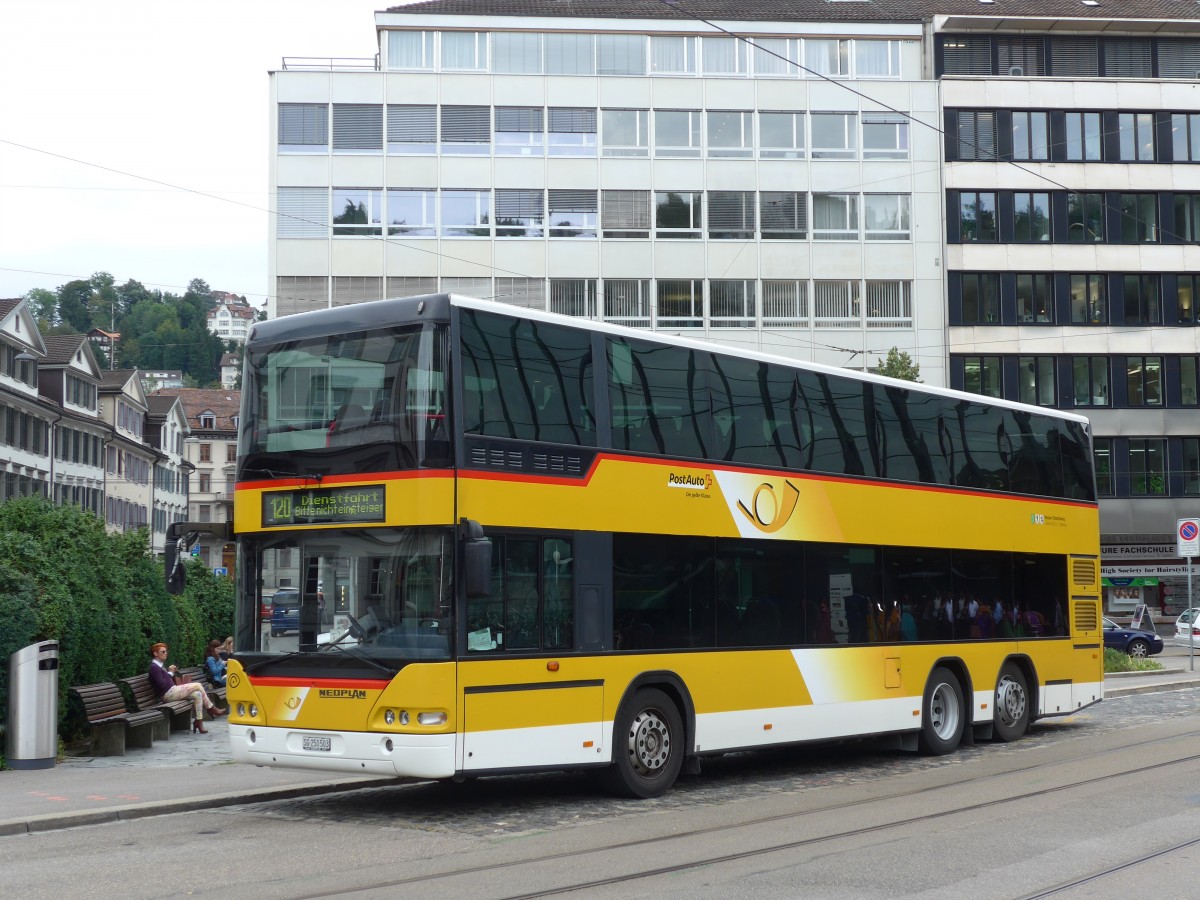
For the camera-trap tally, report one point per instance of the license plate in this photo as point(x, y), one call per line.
point(309, 742)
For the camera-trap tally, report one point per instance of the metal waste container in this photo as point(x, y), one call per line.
point(32, 724)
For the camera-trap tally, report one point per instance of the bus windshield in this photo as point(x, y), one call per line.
point(325, 404)
point(382, 593)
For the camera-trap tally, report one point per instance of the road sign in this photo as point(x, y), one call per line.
point(196, 550)
point(220, 570)
point(1187, 538)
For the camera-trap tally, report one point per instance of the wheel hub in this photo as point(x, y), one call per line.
point(649, 742)
point(1010, 701)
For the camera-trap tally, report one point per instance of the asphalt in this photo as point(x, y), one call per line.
point(196, 771)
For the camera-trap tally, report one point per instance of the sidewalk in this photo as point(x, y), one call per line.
point(195, 771)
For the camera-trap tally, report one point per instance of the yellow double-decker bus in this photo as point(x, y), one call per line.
point(526, 542)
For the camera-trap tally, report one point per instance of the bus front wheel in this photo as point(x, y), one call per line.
point(942, 714)
point(1011, 716)
point(648, 746)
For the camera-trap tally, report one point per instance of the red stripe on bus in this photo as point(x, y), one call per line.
point(341, 683)
point(359, 478)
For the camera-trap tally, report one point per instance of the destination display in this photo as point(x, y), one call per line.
point(324, 506)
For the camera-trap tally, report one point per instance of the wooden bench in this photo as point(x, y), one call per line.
point(216, 692)
point(141, 697)
point(113, 727)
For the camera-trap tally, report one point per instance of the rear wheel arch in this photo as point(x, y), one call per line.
point(673, 686)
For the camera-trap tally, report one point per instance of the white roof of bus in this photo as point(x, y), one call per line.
point(713, 346)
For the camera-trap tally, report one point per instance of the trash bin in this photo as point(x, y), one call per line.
point(32, 725)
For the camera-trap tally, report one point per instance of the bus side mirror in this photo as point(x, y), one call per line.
point(477, 561)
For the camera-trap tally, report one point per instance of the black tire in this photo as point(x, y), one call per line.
point(648, 746)
point(943, 715)
point(1010, 715)
point(1138, 649)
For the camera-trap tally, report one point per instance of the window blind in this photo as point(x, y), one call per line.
point(412, 124)
point(466, 124)
point(358, 126)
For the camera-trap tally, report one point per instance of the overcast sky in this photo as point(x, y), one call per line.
point(160, 90)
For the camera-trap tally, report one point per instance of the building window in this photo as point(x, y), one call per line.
point(828, 57)
point(731, 215)
point(785, 303)
point(1189, 382)
point(1187, 218)
point(886, 217)
point(621, 54)
point(519, 213)
point(977, 134)
point(1136, 132)
point(571, 131)
point(889, 304)
point(570, 54)
point(672, 55)
point(836, 304)
point(977, 217)
point(1102, 456)
point(1142, 304)
point(625, 132)
point(516, 53)
point(1031, 217)
point(1021, 57)
point(732, 303)
point(206, 453)
point(981, 375)
point(677, 132)
point(885, 136)
point(208, 420)
point(205, 483)
point(783, 215)
point(573, 297)
point(412, 129)
point(730, 133)
point(1147, 465)
point(980, 298)
point(1088, 303)
point(410, 49)
point(463, 51)
point(1191, 465)
point(466, 130)
point(680, 303)
point(725, 56)
point(1185, 136)
point(1083, 137)
point(1139, 218)
point(230, 453)
point(625, 214)
point(412, 213)
point(781, 135)
point(1090, 375)
point(1085, 218)
point(876, 59)
point(205, 516)
point(1143, 380)
point(677, 214)
point(965, 55)
point(357, 211)
point(776, 57)
point(527, 293)
point(1031, 135)
point(1036, 383)
point(303, 127)
point(1187, 292)
point(835, 217)
point(358, 127)
point(628, 301)
point(518, 131)
point(834, 135)
point(1035, 298)
point(573, 214)
point(466, 213)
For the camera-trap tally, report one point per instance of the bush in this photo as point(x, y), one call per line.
point(102, 596)
point(1116, 661)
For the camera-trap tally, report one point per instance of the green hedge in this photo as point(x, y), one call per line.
point(102, 596)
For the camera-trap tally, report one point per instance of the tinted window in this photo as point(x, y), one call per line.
point(754, 413)
point(659, 399)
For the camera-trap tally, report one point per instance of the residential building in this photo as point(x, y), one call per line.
point(166, 430)
point(231, 318)
point(129, 460)
point(25, 423)
point(156, 380)
point(69, 378)
point(231, 370)
point(210, 448)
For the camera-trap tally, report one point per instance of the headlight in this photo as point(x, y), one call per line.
point(431, 718)
point(241, 709)
point(389, 716)
point(253, 711)
point(404, 717)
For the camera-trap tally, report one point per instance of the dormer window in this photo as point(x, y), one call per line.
point(208, 420)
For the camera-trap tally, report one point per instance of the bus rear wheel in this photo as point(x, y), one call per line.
point(1010, 718)
point(942, 714)
point(648, 746)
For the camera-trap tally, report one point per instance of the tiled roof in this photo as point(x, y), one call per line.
point(60, 348)
point(806, 10)
point(116, 379)
point(7, 306)
point(224, 404)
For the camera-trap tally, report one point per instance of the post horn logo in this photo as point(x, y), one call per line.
point(293, 703)
point(770, 511)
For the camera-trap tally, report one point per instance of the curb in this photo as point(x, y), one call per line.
point(53, 821)
point(1162, 687)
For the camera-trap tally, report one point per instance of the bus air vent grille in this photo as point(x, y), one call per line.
point(1086, 616)
point(1083, 572)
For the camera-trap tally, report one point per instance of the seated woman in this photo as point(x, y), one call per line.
point(214, 665)
point(163, 678)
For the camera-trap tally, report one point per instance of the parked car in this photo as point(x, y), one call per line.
point(285, 611)
point(1128, 640)
point(1184, 626)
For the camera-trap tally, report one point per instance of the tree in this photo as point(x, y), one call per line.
point(44, 306)
point(899, 365)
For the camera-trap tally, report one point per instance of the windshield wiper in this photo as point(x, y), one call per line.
point(360, 657)
point(272, 474)
point(272, 660)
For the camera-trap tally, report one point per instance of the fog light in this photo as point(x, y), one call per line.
point(404, 717)
point(389, 716)
point(253, 711)
point(241, 709)
point(252, 736)
point(431, 718)
point(388, 745)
